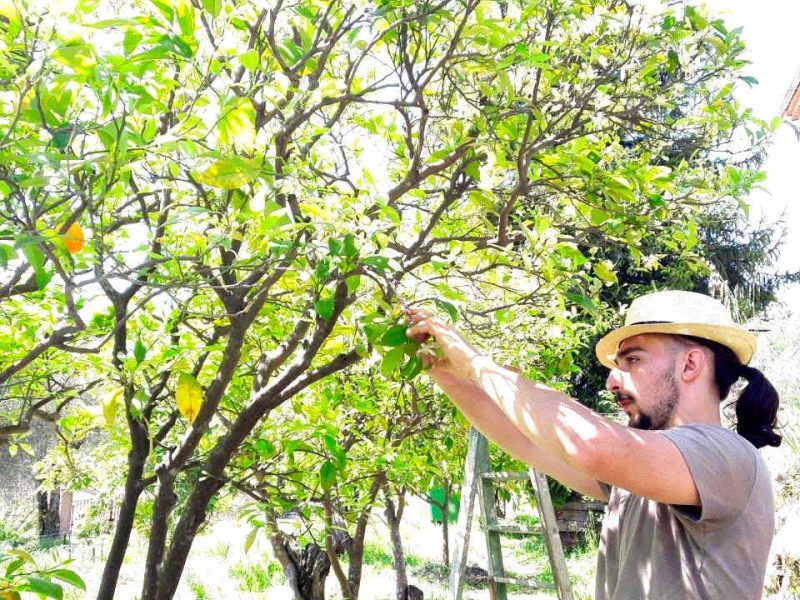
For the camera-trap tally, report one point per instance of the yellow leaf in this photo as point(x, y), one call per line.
point(316, 211)
point(73, 238)
point(229, 174)
point(605, 271)
point(188, 396)
point(7, 9)
point(110, 407)
point(237, 125)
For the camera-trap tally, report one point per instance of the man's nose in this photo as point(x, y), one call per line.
point(614, 380)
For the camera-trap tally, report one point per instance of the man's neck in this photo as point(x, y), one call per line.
point(702, 408)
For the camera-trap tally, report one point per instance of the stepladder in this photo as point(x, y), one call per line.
point(479, 484)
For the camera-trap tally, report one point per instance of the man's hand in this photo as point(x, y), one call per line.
point(458, 356)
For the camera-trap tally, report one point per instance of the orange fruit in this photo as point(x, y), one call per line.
point(73, 238)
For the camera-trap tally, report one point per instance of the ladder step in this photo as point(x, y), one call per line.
point(505, 475)
point(528, 583)
point(515, 529)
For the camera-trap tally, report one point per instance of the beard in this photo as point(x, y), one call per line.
point(665, 402)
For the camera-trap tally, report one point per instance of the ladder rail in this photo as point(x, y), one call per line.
point(460, 545)
point(479, 480)
point(547, 517)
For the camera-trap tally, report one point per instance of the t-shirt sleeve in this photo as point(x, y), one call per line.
point(723, 466)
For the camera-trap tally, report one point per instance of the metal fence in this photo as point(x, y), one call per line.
point(83, 526)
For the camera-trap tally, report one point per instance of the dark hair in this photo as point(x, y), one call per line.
point(757, 404)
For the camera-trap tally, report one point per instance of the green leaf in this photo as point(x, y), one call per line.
point(350, 250)
point(77, 56)
point(139, 351)
point(36, 260)
point(43, 587)
point(325, 308)
point(13, 566)
point(449, 308)
point(672, 61)
point(335, 246)
point(7, 253)
point(249, 60)
point(696, 20)
point(131, 41)
point(353, 282)
point(381, 263)
point(327, 475)
point(395, 336)
point(749, 80)
point(335, 450)
point(583, 301)
point(70, 577)
point(374, 331)
point(212, 7)
point(164, 8)
point(265, 448)
point(392, 360)
point(412, 368)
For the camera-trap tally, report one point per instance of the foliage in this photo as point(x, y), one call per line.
point(21, 573)
point(259, 190)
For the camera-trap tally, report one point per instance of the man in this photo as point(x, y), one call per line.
point(690, 504)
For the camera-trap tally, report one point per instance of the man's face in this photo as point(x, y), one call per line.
point(643, 380)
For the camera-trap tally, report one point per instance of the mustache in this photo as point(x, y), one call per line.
point(620, 397)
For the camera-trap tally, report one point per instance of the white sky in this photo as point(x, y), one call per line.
point(771, 31)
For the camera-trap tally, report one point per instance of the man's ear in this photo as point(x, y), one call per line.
point(695, 362)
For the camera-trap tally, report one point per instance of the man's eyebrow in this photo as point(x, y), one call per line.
point(624, 353)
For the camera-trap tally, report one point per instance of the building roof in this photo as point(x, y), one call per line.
point(791, 103)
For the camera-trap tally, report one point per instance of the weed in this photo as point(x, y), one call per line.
point(199, 590)
point(255, 577)
point(221, 550)
point(413, 560)
point(377, 556)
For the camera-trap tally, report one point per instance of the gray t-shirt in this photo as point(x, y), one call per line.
point(669, 552)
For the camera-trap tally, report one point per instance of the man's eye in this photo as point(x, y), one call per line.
point(632, 359)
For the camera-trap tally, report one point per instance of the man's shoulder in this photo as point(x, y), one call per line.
point(711, 435)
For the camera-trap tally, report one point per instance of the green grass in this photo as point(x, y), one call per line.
point(199, 590)
point(255, 577)
point(375, 555)
point(221, 550)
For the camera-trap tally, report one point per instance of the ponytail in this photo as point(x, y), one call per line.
point(757, 409)
point(757, 405)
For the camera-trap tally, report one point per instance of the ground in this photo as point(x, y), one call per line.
point(220, 568)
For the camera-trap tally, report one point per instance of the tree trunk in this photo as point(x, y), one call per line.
point(393, 517)
point(314, 566)
point(403, 591)
point(159, 527)
point(122, 532)
point(355, 548)
point(49, 521)
point(305, 571)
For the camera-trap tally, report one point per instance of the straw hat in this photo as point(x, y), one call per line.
point(680, 313)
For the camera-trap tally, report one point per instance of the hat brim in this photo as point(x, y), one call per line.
point(743, 343)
